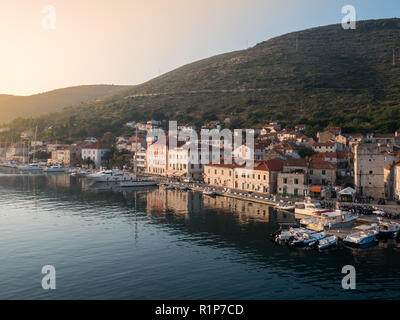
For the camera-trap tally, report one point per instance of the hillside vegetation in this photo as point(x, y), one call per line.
point(322, 76)
point(12, 107)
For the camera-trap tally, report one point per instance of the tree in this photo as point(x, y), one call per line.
point(306, 152)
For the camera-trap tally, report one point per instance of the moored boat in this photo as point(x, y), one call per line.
point(54, 169)
point(362, 235)
point(388, 229)
point(133, 183)
point(327, 242)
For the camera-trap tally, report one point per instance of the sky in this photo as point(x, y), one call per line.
point(50, 44)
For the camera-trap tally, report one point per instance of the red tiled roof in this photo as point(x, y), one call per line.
point(296, 163)
point(324, 144)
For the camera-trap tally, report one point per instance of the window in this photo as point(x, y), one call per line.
point(323, 171)
point(370, 172)
point(311, 171)
point(296, 181)
point(284, 180)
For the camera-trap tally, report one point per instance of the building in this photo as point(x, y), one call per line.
point(397, 182)
point(329, 146)
point(96, 152)
point(369, 162)
point(262, 177)
point(141, 160)
point(157, 156)
point(61, 155)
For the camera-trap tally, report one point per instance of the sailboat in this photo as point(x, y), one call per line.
point(135, 182)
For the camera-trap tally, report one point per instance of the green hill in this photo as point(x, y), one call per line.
point(12, 107)
point(321, 76)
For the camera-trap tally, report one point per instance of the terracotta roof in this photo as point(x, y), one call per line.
point(269, 165)
point(319, 164)
point(296, 163)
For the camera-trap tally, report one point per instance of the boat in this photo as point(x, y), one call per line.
point(326, 218)
point(363, 234)
point(169, 187)
point(285, 206)
point(307, 208)
point(327, 242)
point(285, 235)
point(54, 169)
point(33, 167)
point(109, 176)
point(306, 239)
point(209, 193)
point(80, 173)
point(388, 229)
point(134, 183)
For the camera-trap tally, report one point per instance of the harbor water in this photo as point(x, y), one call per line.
point(166, 244)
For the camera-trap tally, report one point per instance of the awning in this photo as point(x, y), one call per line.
point(316, 189)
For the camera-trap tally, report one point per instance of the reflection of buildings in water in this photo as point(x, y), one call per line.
point(245, 210)
point(59, 180)
point(162, 201)
point(181, 202)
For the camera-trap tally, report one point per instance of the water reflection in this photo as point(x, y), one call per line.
point(176, 239)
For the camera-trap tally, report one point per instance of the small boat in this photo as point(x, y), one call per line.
point(327, 242)
point(364, 234)
point(306, 239)
point(285, 235)
point(80, 173)
point(285, 206)
point(169, 187)
point(109, 176)
point(54, 169)
point(388, 230)
point(209, 193)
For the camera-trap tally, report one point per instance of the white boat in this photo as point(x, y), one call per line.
point(33, 167)
point(306, 239)
point(363, 234)
point(292, 232)
point(326, 218)
point(137, 183)
point(109, 176)
point(209, 193)
point(307, 208)
point(54, 169)
point(285, 206)
point(169, 187)
point(328, 242)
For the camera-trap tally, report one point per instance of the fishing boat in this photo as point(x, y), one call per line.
point(54, 169)
point(388, 229)
point(362, 235)
point(327, 242)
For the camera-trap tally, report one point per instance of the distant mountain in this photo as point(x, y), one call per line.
point(52, 101)
point(321, 76)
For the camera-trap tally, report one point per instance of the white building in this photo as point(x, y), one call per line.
point(96, 152)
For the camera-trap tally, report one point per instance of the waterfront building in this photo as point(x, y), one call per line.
point(61, 155)
point(369, 162)
point(96, 152)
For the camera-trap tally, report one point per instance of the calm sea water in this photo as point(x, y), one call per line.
point(160, 244)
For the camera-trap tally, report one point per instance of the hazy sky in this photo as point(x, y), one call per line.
point(132, 41)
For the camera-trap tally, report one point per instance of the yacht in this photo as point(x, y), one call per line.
point(109, 176)
point(54, 169)
point(33, 167)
